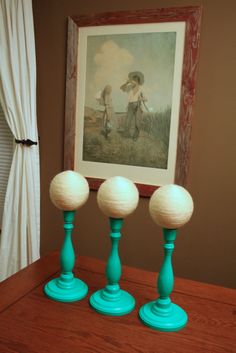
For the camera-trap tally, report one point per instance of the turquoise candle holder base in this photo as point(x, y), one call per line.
point(162, 314)
point(67, 288)
point(160, 318)
point(112, 300)
point(104, 301)
point(66, 291)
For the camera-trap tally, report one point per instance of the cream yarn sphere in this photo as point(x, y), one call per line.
point(171, 206)
point(117, 197)
point(69, 190)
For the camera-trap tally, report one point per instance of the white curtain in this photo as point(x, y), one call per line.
point(20, 237)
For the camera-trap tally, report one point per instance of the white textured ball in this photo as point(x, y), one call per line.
point(117, 197)
point(171, 206)
point(69, 190)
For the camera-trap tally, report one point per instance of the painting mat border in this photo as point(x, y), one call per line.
point(143, 175)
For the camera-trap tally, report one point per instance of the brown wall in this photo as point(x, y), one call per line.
point(205, 248)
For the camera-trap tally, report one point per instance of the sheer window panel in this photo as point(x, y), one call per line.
point(6, 153)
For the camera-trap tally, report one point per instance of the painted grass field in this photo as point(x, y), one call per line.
point(149, 150)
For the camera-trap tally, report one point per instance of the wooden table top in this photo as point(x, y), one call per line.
point(32, 323)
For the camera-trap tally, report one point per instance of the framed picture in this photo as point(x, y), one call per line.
point(130, 90)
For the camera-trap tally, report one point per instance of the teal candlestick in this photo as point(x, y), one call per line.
point(162, 314)
point(112, 300)
point(67, 288)
point(170, 206)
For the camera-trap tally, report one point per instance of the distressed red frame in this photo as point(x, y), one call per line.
point(192, 17)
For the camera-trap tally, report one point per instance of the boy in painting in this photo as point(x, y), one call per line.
point(135, 101)
point(106, 101)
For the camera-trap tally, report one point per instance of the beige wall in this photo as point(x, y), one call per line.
point(205, 248)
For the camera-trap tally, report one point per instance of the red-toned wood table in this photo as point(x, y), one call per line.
point(32, 323)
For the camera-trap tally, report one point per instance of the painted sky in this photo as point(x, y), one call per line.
point(110, 58)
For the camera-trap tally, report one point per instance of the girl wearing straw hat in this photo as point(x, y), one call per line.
point(104, 98)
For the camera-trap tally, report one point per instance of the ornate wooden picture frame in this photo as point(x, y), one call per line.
point(144, 135)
